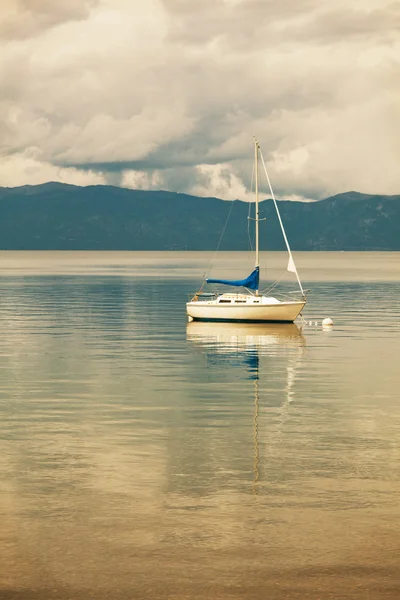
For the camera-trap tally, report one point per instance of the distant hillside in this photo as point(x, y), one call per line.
point(56, 216)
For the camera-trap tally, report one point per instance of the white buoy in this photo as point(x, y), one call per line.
point(190, 319)
point(327, 322)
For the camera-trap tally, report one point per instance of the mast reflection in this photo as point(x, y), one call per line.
point(233, 345)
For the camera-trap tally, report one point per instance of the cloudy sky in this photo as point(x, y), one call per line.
point(168, 94)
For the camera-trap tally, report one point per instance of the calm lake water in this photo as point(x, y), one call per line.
point(142, 456)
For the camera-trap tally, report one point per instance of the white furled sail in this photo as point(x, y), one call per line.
point(291, 266)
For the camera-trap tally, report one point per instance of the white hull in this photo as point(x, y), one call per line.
point(277, 312)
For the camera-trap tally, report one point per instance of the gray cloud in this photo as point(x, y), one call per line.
point(24, 18)
point(169, 94)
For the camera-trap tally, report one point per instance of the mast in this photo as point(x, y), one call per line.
point(257, 265)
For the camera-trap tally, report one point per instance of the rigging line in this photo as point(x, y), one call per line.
point(207, 271)
point(291, 262)
point(277, 282)
point(265, 260)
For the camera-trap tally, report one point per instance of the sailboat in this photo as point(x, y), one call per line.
point(250, 306)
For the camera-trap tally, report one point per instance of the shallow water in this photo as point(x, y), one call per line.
point(145, 457)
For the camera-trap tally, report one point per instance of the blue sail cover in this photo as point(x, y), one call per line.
point(251, 282)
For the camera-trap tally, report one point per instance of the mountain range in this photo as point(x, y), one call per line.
point(56, 216)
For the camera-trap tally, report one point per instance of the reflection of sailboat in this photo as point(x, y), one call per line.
point(224, 337)
point(249, 306)
point(242, 345)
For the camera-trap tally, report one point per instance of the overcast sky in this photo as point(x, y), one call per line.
point(168, 94)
